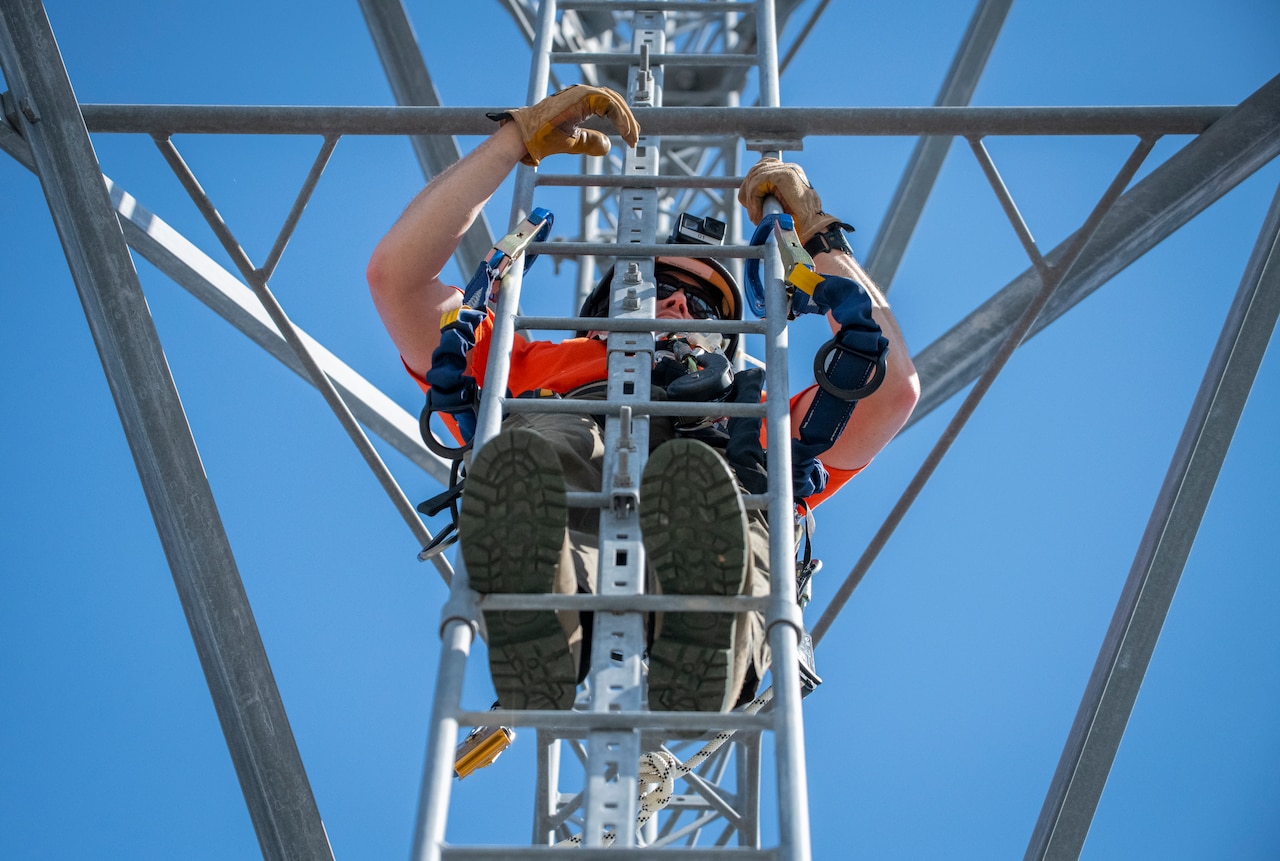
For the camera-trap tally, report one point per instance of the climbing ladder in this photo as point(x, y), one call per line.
point(47, 131)
point(610, 728)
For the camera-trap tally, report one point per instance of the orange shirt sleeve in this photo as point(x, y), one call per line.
point(566, 365)
point(561, 367)
point(837, 478)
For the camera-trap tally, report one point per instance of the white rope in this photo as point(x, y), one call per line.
point(660, 769)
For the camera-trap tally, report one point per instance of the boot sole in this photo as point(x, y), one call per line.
point(695, 534)
point(511, 531)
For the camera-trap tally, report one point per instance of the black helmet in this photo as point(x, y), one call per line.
point(708, 271)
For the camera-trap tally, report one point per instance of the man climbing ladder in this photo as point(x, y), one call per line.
point(516, 532)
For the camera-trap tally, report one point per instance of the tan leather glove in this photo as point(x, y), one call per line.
point(787, 184)
point(551, 126)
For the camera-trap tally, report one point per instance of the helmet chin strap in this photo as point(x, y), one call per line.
point(693, 368)
point(708, 341)
point(699, 368)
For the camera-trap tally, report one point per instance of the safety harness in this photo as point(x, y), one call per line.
point(452, 390)
point(688, 370)
point(847, 368)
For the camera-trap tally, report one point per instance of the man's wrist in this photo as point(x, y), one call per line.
point(510, 140)
point(830, 239)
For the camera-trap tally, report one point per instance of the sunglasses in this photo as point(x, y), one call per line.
point(702, 306)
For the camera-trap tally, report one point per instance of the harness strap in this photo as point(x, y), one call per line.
point(747, 457)
point(847, 368)
point(451, 390)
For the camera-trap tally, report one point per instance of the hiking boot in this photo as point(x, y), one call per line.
point(695, 534)
point(511, 530)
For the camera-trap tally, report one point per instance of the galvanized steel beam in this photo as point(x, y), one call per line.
point(1200, 173)
point(225, 295)
point(1051, 278)
point(275, 786)
point(749, 121)
point(1131, 639)
point(926, 159)
point(411, 85)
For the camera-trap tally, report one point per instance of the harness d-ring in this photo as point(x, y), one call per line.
point(820, 371)
point(429, 438)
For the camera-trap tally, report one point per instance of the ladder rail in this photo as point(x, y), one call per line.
point(613, 722)
point(460, 618)
point(784, 624)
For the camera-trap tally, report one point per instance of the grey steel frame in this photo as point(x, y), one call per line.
point(1140, 613)
point(926, 159)
point(411, 84)
point(46, 131)
point(608, 802)
point(266, 759)
point(750, 122)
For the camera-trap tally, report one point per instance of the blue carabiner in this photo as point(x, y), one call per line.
point(755, 286)
point(480, 289)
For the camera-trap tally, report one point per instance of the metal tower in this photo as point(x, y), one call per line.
point(704, 75)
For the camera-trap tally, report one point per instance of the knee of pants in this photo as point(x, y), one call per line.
point(577, 440)
point(582, 555)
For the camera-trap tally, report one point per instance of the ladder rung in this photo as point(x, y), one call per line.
point(620, 603)
point(657, 5)
point(571, 406)
point(585, 499)
point(585, 722)
point(502, 853)
point(638, 324)
point(606, 58)
point(618, 181)
point(636, 249)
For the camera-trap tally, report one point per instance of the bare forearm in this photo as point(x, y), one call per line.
point(831, 263)
point(881, 415)
point(421, 242)
point(405, 270)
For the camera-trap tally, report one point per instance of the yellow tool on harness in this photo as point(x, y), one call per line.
point(481, 747)
point(796, 262)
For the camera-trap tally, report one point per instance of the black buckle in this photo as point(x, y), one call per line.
point(429, 438)
point(437, 503)
point(831, 239)
point(820, 370)
point(446, 499)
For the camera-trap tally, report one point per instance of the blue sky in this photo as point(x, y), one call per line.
point(953, 675)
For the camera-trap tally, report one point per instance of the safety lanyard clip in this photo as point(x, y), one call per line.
point(506, 250)
point(797, 264)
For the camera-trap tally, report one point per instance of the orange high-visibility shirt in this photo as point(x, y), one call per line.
point(573, 362)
